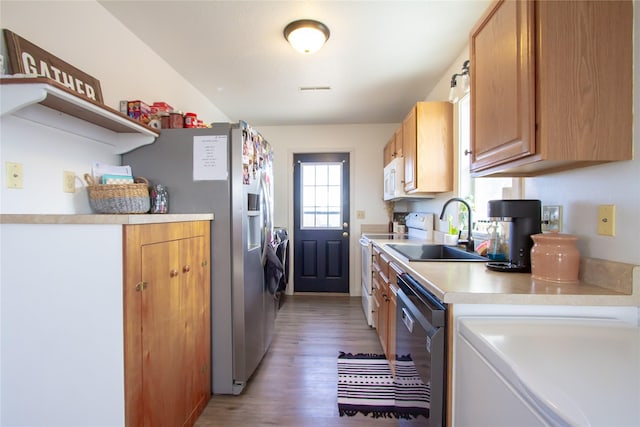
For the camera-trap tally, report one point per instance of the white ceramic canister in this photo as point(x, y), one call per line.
point(555, 257)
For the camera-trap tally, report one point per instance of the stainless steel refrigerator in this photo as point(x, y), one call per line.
point(227, 170)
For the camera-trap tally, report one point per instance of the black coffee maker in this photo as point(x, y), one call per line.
point(524, 219)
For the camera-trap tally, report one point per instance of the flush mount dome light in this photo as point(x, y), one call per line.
point(306, 35)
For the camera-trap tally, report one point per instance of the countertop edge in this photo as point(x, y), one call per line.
point(593, 295)
point(101, 219)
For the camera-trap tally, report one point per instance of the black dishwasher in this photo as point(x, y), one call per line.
point(420, 370)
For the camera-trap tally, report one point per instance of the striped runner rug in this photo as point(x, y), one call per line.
point(367, 386)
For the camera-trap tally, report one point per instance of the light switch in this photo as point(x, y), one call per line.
point(607, 220)
point(360, 214)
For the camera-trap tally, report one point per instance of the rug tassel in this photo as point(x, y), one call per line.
point(374, 414)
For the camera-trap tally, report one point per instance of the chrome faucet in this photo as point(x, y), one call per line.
point(469, 242)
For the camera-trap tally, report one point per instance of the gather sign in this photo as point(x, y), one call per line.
point(27, 58)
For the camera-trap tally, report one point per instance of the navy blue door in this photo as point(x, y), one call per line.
point(321, 222)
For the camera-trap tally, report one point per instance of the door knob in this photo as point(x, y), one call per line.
point(345, 224)
point(345, 234)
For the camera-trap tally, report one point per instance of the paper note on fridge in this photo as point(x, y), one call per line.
point(210, 158)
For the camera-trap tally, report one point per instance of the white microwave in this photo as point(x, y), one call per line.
point(394, 182)
point(394, 179)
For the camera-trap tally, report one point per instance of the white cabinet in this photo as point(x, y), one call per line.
point(551, 370)
point(62, 337)
point(484, 398)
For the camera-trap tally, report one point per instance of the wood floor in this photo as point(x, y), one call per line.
point(296, 383)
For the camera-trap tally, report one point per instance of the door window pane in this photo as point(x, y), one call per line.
point(321, 195)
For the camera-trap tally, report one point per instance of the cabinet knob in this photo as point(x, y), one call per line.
point(186, 269)
point(141, 286)
point(467, 152)
point(173, 273)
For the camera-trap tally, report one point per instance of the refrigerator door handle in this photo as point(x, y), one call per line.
point(265, 196)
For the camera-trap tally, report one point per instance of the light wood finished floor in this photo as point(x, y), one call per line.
point(296, 383)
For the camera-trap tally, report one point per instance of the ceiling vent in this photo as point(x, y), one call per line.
point(314, 88)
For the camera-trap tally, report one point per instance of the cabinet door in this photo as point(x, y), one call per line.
point(502, 85)
point(166, 322)
point(375, 300)
point(194, 306)
point(163, 350)
point(391, 333)
point(399, 142)
point(383, 312)
point(409, 143)
point(584, 99)
point(394, 272)
point(433, 164)
point(389, 151)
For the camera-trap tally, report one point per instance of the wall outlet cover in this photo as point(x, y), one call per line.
point(68, 182)
point(607, 220)
point(14, 175)
point(552, 218)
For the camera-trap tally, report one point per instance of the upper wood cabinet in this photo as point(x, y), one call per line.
point(427, 147)
point(397, 137)
point(389, 151)
point(393, 148)
point(551, 86)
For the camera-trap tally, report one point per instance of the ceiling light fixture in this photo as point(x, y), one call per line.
point(306, 35)
point(454, 92)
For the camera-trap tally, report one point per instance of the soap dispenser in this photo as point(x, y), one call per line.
point(495, 250)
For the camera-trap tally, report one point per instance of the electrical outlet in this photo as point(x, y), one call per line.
point(14, 176)
point(607, 220)
point(552, 218)
point(360, 214)
point(68, 182)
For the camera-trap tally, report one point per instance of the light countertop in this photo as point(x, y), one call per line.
point(472, 283)
point(101, 218)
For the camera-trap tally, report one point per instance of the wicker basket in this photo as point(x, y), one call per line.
point(118, 198)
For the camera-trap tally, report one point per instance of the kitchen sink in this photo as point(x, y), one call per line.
point(436, 253)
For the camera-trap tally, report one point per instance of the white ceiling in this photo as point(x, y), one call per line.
point(382, 56)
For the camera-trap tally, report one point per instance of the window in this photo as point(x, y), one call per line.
point(478, 191)
point(321, 195)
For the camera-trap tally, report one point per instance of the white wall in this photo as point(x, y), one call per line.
point(85, 35)
point(88, 37)
point(364, 143)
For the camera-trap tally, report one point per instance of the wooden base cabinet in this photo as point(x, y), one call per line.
point(551, 86)
point(385, 290)
point(167, 323)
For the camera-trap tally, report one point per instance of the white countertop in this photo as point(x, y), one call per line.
point(472, 283)
point(101, 218)
point(573, 371)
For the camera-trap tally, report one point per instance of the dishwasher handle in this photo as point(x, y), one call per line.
point(430, 307)
point(407, 320)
